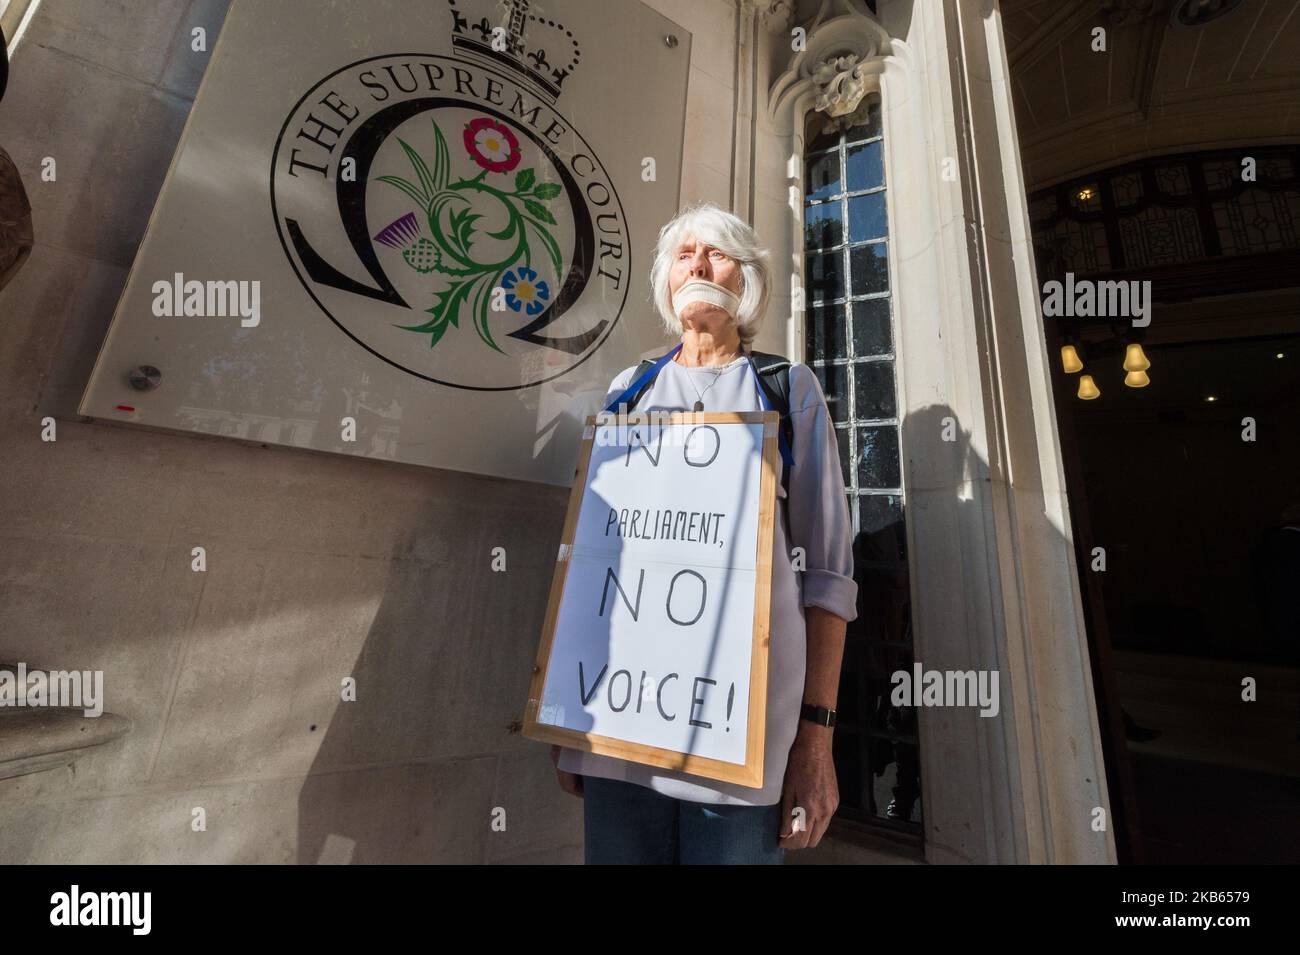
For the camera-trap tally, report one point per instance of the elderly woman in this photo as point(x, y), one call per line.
point(636, 813)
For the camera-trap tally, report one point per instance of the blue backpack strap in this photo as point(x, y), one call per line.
point(642, 380)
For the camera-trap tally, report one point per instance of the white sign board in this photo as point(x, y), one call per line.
point(386, 220)
point(656, 636)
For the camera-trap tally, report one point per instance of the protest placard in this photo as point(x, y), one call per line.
point(654, 646)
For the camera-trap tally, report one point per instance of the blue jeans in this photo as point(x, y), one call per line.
point(629, 824)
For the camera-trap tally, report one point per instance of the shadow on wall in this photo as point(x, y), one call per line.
point(437, 686)
point(1133, 751)
point(412, 770)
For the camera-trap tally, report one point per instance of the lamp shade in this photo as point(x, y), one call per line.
point(1137, 379)
point(1070, 359)
point(1088, 388)
point(1135, 359)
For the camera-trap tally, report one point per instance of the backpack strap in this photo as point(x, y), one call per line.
point(774, 379)
point(641, 369)
point(641, 379)
point(773, 372)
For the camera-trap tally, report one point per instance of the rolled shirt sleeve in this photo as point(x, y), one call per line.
point(817, 509)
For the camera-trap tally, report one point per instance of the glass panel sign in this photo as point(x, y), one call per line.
point(407, 230)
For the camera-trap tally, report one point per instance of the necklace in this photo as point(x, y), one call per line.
point(699, 405)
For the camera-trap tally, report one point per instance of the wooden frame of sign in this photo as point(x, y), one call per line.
point(751, 772)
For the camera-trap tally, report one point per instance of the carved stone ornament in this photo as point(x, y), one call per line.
point(841, 60)
point(840, 85)
point(775, 15)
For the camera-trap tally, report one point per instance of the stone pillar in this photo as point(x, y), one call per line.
point(994, 582)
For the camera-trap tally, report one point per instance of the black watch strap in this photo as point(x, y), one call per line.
point(818, 714)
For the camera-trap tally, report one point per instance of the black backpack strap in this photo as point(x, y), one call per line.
point(641, 369)
point(774, 379)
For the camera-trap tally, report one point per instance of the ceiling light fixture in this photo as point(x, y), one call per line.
point(1134, 358)
point(1070, 360)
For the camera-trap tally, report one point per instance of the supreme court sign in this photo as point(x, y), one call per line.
point(654, 647)
point(386, 219)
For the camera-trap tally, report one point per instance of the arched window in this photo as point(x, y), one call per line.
point(850, 346)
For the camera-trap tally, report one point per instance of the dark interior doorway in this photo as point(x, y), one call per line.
point(1198, 517)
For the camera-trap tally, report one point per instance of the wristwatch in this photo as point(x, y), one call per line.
point(818, 714)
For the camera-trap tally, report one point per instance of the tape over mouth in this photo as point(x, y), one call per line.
point(702, 290)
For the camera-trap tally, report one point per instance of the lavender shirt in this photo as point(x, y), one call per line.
point(819, 523)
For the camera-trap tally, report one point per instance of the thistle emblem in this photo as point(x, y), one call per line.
point(404, 235)
point(449, 250)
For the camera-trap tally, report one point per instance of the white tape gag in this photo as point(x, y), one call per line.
point(702, 290)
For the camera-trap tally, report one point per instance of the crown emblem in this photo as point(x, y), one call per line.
point(541, 51)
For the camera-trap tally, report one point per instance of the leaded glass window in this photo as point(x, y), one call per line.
point(849, 344)
point(1169, 210)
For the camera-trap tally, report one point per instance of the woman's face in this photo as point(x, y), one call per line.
point(694, 259)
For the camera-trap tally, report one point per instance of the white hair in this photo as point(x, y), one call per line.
point(734, 237)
